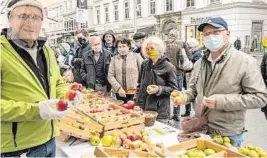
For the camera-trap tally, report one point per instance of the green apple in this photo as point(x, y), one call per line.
point(226, 140)
point(107, 140)
point(184, 156)
point(228, 145)
point(253, 153)
point(116, 142)
point(94, 140)
point(191, 154)
point(209, 152)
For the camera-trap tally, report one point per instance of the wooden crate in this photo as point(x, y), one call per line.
point(79, 125)
point(111, 152)
point(202, 144)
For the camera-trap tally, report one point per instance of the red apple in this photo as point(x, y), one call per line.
point(132, 137)
point(70, 95)
point(77, 87)
point(131, 104)
point(125, 106)
point(62, 105)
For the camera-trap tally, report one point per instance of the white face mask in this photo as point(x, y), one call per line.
point(214, 42)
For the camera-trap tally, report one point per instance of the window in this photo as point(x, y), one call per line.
point(190, 3)
point(106, 13)
point(83, 25)
point(66, 25)
point(138, 8)
point(152, 5)
point(169, 5)
point(214, 1)
point(116, 12)
point(257, 32)
point(126, 10)
point(71, 25)
point(98, 15)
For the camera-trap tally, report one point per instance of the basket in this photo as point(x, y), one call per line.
point(150, 118)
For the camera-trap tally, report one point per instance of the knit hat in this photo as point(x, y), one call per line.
point(34, 3)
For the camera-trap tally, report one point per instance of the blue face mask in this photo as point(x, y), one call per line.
point(214, 42)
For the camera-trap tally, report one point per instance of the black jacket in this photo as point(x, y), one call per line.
point(264, 68)
point(237, 44)
point(88, 68)
point(163, 74)
point(77, 63)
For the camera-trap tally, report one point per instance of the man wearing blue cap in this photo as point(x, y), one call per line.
point(225, 83)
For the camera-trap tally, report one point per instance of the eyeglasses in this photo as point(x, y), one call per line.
point(33, 17)
point(214, 32)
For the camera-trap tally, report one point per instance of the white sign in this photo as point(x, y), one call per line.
point(81, 15)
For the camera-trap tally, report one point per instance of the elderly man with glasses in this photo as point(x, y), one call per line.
point(30, 85)
point(225, 83)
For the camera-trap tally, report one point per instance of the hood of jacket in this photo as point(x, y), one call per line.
point(109, 32)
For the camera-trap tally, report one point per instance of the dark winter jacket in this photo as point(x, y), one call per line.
point(77, 62)
point(112, 48)
point(88, 68)
point(197, 55)
point(162, 74)
point(237, 44)
point(264, 68)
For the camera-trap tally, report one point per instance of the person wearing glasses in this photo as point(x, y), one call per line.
point(156, 80)
point(30, 84)
point(225, 81)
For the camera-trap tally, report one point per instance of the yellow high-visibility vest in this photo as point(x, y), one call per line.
point(264, 41)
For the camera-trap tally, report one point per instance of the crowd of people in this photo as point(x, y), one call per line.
point(224, 81)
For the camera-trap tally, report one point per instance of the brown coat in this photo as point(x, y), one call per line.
point(133, 66)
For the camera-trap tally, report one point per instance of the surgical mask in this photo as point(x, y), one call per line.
point(138, 44)
point(82, 41)
point(214, 42)
point(123, 52)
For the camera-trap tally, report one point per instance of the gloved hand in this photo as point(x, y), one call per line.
point(48, 110)
point(77, 98)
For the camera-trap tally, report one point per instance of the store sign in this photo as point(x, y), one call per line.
point(196, 20)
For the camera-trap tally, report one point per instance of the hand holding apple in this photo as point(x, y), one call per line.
point(62, 105)
point(122, 92)
point(152, 89)
point(178, 98)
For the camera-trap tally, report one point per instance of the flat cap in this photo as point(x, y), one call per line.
point(139, 35)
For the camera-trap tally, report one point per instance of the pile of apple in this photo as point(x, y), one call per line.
point(252, 151)
point(177, 97)
point(62, 104)
point(129, 105)
point(124, 140)
point(197, 153)
point(225, 141)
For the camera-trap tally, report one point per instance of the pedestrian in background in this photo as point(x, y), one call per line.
point(237, 43)
point(157, 79)
point(83, 39)
point(109, 41)
point(254, 44)
point(124, 70)
point(264, 75)
point(95, 65)
point(175, 51)
point(139, 39)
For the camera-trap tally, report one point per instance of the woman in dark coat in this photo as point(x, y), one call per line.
point(159, 74)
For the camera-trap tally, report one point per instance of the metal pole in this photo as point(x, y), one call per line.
point(135, 16)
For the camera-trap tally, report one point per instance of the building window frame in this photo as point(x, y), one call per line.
point(98, 15)
point(215, 1)
point(116, 11)
point(190, 3)
point(126, 9)
point(152, 10)
point(169, 5)
point(138, 8)
point(106, 11)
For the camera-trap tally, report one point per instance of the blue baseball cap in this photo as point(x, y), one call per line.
point(217, 22)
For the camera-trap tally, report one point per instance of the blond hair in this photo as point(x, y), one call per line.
point(156, 42)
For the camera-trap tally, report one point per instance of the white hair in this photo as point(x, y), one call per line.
point(156, 42)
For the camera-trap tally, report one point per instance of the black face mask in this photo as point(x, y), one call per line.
point(82, 41)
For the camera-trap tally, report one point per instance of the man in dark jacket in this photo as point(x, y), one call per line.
point(82, 36)
point(139, 39)
point(109, 42)
point(237, 43)
point(95, 66)
point(264, 75)
point(174, 51)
